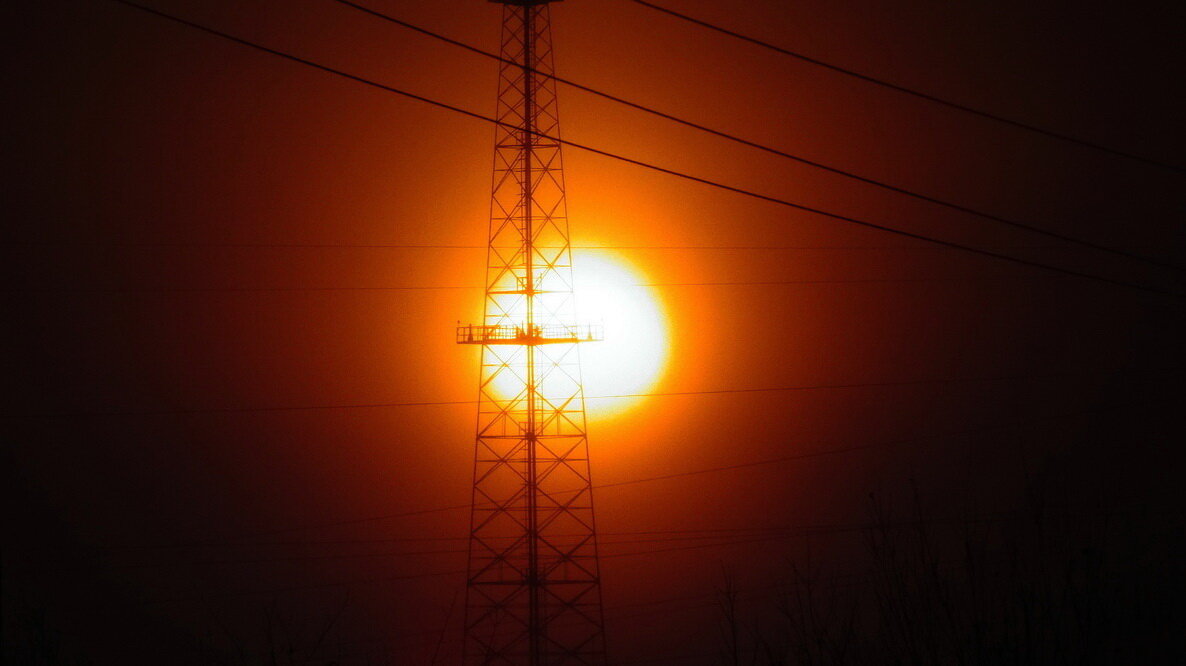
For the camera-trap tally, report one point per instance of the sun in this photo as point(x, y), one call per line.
point(631, 358)
point(626, 363)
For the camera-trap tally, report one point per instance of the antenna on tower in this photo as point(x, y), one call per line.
point(533, 591)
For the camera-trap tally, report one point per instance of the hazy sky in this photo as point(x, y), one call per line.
point(194, 226)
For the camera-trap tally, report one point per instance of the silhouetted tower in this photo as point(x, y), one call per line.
point(533, 593)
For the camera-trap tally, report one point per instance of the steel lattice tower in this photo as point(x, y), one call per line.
point(533, 590)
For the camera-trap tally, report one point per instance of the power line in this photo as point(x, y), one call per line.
point(437, 633)
point(833, 579)
point(723, 537)
point(768, 149)
point(970, 431)
point(416, 246)
point(733, 542)
point(709, 470)
point(911, 91)
point(791, 533)
point(299, 588)
point(659, 537)
point(825, 281)
point(702, 533)
point(685, 534)
point(435, 403)
point(735, 283)
point(656, 168)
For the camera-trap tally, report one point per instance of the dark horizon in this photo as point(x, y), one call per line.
point(239, 429)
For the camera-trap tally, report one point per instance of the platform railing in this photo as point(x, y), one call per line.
point(507, 334)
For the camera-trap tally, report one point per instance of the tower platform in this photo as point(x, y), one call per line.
point(505, 334)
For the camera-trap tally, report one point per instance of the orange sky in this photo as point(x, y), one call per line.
point(156, 161)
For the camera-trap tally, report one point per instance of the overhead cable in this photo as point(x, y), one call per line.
point(914, 92)
point(774, 151)
point(660, 169)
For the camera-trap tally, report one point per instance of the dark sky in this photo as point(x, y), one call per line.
point(189, 223)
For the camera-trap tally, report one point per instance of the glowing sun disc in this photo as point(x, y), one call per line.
point(631, 358)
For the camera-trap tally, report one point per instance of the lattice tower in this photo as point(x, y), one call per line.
point(533, 590)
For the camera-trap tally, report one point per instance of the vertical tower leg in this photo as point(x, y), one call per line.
point(533, 589)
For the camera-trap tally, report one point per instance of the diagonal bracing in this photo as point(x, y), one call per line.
point(533, 586)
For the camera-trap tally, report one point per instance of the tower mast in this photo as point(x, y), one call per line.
point(533, 594)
